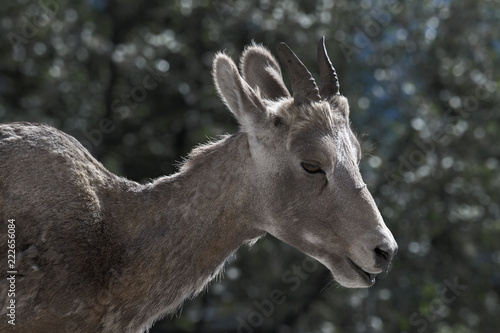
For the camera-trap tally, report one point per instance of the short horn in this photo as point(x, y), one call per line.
point(303, 85)
point(328, 80)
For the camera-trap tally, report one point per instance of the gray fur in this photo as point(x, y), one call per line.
point(101, 253)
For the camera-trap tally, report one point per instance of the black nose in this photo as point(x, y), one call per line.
point(384, 255)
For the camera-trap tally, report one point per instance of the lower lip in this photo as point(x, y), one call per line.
point(369, 278)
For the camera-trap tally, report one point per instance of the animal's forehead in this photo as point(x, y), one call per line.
point(340, 147)
point(325, 116)
point(315, 145)
point(319, 128)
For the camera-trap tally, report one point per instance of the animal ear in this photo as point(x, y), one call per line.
point(239, 97)
point(261, 70)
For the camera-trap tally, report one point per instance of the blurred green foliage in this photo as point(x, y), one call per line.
point(131, 80)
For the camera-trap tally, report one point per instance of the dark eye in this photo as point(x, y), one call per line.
point(311, 168)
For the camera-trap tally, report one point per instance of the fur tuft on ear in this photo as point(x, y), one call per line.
point(261, 70)
point(239, 97)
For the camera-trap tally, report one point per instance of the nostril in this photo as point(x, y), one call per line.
point(382, 254)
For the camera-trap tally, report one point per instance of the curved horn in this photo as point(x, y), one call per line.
point(303, 85)
point(328, 80)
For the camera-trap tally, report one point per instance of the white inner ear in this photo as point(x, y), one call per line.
point(261, 70)
point(240, 98)
point(226, 81)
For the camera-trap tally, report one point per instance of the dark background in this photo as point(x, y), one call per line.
point(422, 81)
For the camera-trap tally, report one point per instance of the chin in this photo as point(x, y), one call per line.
point(353, 283)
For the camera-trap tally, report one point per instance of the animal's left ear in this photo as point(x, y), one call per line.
point(239, 97)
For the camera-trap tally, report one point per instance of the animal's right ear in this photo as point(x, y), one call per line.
point(239, 97)
point(261, 70)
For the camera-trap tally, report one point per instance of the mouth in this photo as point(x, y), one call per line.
point(369, 278)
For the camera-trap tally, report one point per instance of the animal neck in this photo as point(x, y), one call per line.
point(187, 224)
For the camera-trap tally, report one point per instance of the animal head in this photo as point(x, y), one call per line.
point(304, 162)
